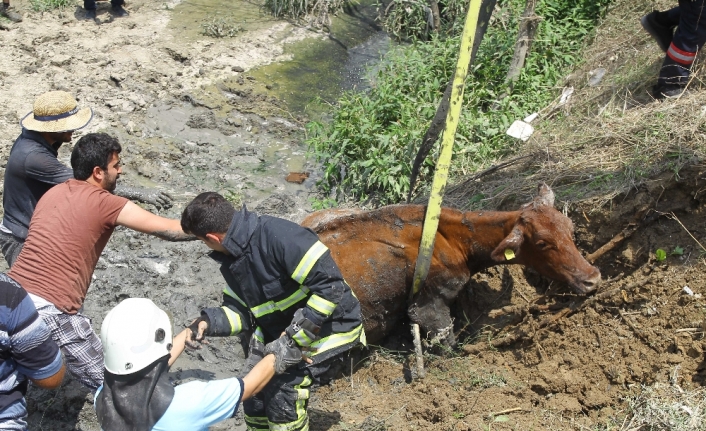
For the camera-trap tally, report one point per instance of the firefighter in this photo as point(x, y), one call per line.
point(680, 46)
point(280, 279)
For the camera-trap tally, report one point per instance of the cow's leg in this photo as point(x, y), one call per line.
point(431, 310)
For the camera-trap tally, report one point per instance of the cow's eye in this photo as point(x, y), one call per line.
point(542, 245)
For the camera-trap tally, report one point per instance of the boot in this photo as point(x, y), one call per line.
point(119, 11)
point(9, 13)
point(667, 91)
point(91, 15)
point(660, 33)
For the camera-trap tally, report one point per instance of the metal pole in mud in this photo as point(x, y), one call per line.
point(431, 221)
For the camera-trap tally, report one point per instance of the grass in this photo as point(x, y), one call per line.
point(220, 27)
point(610, 138)
point(49, 5)
point(662, 407)
point(368, 148)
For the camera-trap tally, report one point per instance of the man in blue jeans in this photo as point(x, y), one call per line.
point(681, 45)
point(117, 8)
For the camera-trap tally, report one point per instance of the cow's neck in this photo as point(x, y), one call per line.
point(487, 230)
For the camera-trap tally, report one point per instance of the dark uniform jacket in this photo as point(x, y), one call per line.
point(32, 169)
point(276, 267)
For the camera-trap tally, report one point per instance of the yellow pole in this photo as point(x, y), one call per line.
point(431, 221)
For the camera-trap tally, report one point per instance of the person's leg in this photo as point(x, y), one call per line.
point(82, 349)
point(286, 400)
point(660, 25)
point(688, 39)
point(8, 13)
point(11, 247)
point(118, 9)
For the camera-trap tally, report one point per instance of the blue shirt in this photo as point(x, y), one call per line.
point(197, 405)
point(26, 349)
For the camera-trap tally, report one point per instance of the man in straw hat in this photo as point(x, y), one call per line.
point(33, 168)
point(71, 225)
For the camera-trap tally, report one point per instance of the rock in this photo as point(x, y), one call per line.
point(278, 204)
point(177, 54)
point(206, 120)
point(60, 60)
point(237, 69)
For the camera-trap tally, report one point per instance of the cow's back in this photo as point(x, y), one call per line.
point(376, 251)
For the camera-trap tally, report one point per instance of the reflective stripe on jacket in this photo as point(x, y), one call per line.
point(276, 267)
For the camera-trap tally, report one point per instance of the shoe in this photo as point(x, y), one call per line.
point(10, 14)
point(119, 11)
point(661, 34)
point(667, 91)
point(91, 14)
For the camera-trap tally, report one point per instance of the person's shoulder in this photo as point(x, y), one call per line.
point(11, 293)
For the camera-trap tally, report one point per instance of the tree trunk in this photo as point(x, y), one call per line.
point(434, 6)
point(525, 36)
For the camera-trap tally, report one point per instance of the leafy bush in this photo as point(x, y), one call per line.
point(48, 5)
point(368, 147)
point(318, 11)
point(412, 19)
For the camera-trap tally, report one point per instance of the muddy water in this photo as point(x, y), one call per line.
point(321, 68)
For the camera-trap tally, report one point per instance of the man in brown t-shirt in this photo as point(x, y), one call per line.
point(70, 227)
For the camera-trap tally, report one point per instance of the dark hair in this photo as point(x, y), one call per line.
point(208, 213)
point(93, 149)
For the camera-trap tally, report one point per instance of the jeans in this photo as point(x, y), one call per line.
point(11, 247)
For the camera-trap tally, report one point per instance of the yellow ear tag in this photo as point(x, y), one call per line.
point(509, 254)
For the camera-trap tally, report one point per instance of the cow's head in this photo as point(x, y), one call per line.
point(542, 239)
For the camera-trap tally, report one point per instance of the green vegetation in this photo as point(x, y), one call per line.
point(318, 11)
point(49, 5)
point(368, 147)
point(220, 27)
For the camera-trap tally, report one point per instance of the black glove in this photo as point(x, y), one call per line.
point(286, 353)
point(195, 326)
point(302, 330)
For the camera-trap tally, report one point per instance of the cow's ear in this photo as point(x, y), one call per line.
point(545, 195)
point(509, 248)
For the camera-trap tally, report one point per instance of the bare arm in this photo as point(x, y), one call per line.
point(178, 345)
point(51, 382)
point(135, 218)
point(259, 376)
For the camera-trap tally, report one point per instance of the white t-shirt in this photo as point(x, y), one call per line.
point(197, 405)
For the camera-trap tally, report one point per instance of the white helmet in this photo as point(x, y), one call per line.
point(135, 334)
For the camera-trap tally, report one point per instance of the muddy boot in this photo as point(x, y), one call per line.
point(661, 33)
point(9, 13)
point(119, 11)
point(90, 15)
point(667, 91)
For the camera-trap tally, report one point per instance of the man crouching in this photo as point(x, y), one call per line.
point(280, 279)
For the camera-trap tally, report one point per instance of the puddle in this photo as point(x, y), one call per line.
point(323, 67)
point(189, 16)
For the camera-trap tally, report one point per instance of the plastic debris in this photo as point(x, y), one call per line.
point(520, 130)
point(595, 76)
point(688, 291)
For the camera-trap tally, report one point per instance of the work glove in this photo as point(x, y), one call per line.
point(256, 351)
point(194, 327)
point(302, 330)
point(158, 198)
point(286, 352)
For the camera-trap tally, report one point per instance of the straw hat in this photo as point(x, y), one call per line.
point(56, 111)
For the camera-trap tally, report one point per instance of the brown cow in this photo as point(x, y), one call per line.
point(377, 251)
